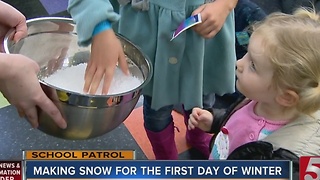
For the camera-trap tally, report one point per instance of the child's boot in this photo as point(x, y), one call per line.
point(163, 144)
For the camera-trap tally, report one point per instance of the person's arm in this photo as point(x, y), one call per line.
point(18, 74)
point(227, 5)
point(87, 14)
point(213, 16)
point(221, 116)
point(218, 120)
point(93, 20)
point(261, 150)
point(20, 86)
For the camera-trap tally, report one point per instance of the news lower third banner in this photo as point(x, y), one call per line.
point(157, 169)
point(85, 165)
point(80, 155)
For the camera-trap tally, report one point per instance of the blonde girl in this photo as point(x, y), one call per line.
point(280, 77)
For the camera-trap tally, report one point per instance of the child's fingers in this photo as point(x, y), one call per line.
point(195, 113)
point(123, 64)
point(192, 122)
point(190, 125)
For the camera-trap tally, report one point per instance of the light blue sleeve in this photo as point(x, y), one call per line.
point(87, 14)
point(103, 26)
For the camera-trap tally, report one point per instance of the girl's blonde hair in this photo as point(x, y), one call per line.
point(292, 44)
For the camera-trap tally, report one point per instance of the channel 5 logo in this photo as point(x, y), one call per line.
point(310, 168)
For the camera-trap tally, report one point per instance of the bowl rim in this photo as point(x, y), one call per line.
point(8, 37)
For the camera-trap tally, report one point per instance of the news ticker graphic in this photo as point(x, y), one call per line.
point(120, 164)
point(309, 167)
point(146, 169)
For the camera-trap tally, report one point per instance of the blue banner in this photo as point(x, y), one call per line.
point(158, 169)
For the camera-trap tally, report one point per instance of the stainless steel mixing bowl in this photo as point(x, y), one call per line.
point(52, 43)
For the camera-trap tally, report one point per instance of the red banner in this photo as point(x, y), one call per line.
point(11, 170)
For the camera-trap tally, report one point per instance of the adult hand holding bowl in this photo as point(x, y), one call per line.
point(18, 73)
